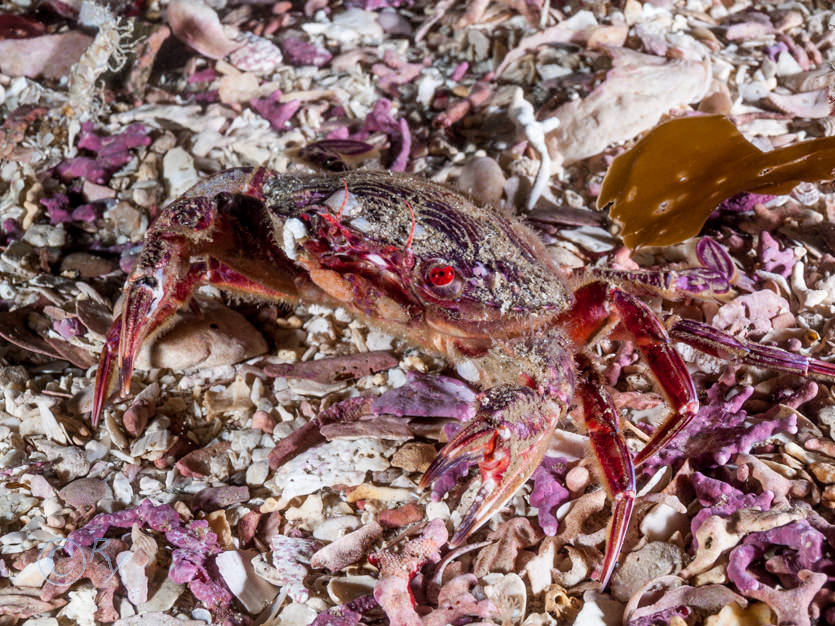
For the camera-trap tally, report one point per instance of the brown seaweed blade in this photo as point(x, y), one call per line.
point(662, 190)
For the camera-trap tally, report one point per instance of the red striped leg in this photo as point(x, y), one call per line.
point(601, 420)
point(650, 337)
point(105, 376)
point(722, 345)
point(597, 306)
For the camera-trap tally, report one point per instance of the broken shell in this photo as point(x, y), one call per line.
point(236, 569)
point(197, 25)
point(347, 588)
point(84, 492)
point(336, 527)
point(293, 231)
point(220, 336)
point(657, 558)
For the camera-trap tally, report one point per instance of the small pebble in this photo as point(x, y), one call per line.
point(414, 456)
point(263, 421)
point(483, 179)
point(718, 103)
point(824, 472)
point(84, 492)
point(257, 473)
point(828, 497)
point(401, 516)
point(577, 479)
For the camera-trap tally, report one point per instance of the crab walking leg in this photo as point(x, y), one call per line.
point(700, 282)
point(713, 278)
point(614, 459)
point(652, 341)
point(724, 346)
point(600, 305)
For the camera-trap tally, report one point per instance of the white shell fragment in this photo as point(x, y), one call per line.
point(236, 568)
point(337, 462)
point(347, 203)
point(508, 594)
point(293, 231)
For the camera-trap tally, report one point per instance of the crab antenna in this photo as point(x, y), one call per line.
point(412, 230)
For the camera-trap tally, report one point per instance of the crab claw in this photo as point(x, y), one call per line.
point(156, 288)
point(104, 376)
point(508, 439)
point(153, 294)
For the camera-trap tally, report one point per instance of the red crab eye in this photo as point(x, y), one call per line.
point(441, 275)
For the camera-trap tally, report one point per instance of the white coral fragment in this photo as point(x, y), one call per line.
point(337, 462)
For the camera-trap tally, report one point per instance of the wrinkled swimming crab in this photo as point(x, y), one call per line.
point(425, 263)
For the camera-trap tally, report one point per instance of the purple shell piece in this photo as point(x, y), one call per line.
point(348, 614)
point(805, 542)
point(662, 617)
point(720, 498)
point(459, 71)
point(774, 50)
point(719, 431)
point(57, 208)
point(299, 52)
point(548, 492)
point(192, 559)
point(111, 153)
point(400, 137)
point(428, 396)
point(68, 328)
point(741, 202)
point(277, 113)
point(772, 258)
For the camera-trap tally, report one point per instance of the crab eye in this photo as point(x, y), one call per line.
point(443, 280)
point(441, 275)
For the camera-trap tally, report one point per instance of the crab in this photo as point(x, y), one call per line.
point(427, 264)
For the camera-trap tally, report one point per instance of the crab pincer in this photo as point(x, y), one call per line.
point(508, 440)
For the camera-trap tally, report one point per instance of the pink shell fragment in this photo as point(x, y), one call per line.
point(197, 25)
point(277, 113)
point(50, 56)
point(300, 52)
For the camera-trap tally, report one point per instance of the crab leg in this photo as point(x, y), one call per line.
point(713, 278)
point(598, 306)
point(724, 346)
point(602, 424)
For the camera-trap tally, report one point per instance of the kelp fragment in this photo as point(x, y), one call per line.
point(662, 190)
